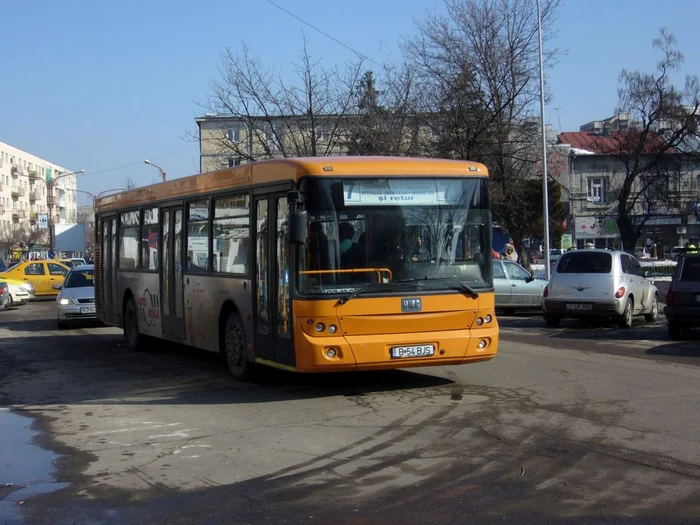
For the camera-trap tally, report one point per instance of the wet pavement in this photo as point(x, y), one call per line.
point(564, 426)
point(26, 469)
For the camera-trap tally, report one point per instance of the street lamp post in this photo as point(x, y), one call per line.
point(94, 198)
point(162, 173)
point(544, 148)
point(50, 198)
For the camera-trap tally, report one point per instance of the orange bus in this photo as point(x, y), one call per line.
point(309, 264)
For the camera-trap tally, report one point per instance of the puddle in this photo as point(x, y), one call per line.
point(25, 469)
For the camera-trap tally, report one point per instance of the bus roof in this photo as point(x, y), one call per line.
point(289, 169)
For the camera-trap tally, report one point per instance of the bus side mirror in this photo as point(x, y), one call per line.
point(298, 229)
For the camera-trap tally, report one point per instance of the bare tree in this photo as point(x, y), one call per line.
point(288, 118)
point(24, 237)
point(478, 68)
point(386, 119)
point(667, 118)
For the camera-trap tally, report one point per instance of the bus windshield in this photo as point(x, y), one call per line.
point(390, 234)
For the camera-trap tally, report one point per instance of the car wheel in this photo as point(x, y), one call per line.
point(234, 347)
point(625, 320)
point(674, 330)
point(134, 340)
point(654, 313)
point(11, 302)
point(552, 321)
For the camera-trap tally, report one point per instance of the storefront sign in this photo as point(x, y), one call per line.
point(596, 228)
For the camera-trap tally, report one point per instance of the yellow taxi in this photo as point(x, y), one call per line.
point(41, 274)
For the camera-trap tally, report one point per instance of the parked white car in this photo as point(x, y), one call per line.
point(599, 283)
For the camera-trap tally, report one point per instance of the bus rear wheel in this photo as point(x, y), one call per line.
point(235, 349)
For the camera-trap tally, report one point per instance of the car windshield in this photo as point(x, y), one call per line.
point(80, 279)
point(384, 235)
point(585, 262)
point(67, 263)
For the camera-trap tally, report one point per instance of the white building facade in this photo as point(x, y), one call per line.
point(31, 189)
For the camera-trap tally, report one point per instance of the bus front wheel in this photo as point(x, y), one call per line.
point(133, 338)
point(235, 349)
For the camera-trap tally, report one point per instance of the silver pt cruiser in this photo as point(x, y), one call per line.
point(599, 283)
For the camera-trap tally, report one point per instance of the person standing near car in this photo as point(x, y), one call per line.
point(509, 253)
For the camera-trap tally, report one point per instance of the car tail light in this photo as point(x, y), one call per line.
point(545, 292)
point(620, 292)
point(670, 297)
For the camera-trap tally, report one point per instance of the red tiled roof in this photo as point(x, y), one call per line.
point(611, 144)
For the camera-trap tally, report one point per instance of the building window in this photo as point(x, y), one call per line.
point(234, 161)
point(598, 190)
point(234, 134)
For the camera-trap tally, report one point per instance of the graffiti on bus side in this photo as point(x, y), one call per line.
point(148, 306)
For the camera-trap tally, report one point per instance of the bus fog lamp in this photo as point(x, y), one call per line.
point(482, 343)
point(319, 327)
point(479, 321)
point(331, 352)
point(488, 318)
point(332, 329)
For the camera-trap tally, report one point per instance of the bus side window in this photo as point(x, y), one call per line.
point(198, 236)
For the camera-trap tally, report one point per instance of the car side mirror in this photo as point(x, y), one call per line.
point(530, 278)
point(57, 286)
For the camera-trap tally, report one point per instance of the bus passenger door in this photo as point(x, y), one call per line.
point(273, 319)
point(171, 285)
point(107, 257)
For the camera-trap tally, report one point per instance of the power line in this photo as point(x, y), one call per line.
point(139, 162)
point(322, 32)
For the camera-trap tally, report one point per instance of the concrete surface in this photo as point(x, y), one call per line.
point(583, 424)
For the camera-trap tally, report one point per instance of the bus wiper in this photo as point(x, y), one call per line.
point(352, 295)
point(464, 286)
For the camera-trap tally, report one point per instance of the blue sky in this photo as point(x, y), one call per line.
point(99, 86)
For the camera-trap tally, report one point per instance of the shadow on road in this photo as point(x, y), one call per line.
point(75, 367)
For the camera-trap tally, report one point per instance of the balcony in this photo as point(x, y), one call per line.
point(52, 200)
point(35, 195)
point(33, 175)
point(14, 171)
point(18, 214)
point(62, 203)
point(2, 209)
point(33, 216)
point(17, 191)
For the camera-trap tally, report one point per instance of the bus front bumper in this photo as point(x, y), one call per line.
point(374, 352)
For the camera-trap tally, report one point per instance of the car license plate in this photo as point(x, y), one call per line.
point(399, 352)
point(87, 310)
point(579, 307)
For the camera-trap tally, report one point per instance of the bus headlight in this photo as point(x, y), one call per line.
point(488, 318)
point(319, 327)
point(332, 329)
point(479, 321)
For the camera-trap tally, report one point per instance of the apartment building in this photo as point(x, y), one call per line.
point(31, 188)
point(668, 201)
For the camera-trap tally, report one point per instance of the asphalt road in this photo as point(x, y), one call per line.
point(582, 424)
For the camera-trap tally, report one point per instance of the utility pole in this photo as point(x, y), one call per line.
point(544, 148)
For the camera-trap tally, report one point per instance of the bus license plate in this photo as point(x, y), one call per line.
point(399, 352)
point(579, 307)
point(87, 310)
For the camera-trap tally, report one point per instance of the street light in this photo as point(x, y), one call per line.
point(162, 173)
point(50, 199)
point(544, 148)
point(98, 195)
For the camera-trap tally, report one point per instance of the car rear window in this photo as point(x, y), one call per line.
point(582, 262)
point(691, 270)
